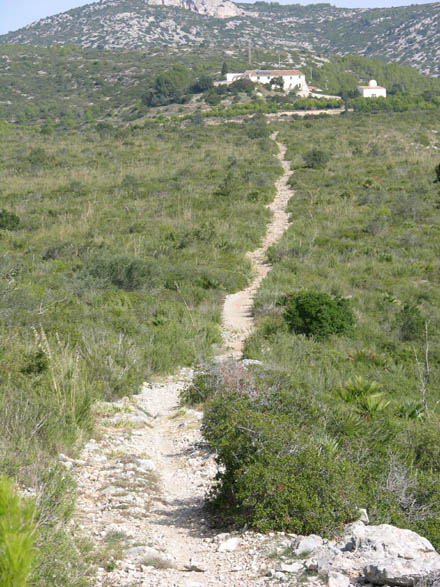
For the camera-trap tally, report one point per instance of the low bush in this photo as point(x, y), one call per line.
point(8, 220)
point(202, 388)
point(410, 323)
point(318, 314)
point(123, 272)
point(316, 159)
point(273, 473)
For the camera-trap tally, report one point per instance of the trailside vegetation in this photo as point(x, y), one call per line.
point(343, 409)
point(126, 244)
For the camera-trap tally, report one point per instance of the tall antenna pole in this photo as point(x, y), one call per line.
point(250, 52)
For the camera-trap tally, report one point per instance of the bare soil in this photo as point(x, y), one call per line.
point(237, 310)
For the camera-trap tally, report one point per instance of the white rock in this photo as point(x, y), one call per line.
point(229, 545)
point(221, 537)
point(338, 580)
point(98, 459)
point(145, 464)
point(311, 565)
point(307, 544)
point(270, 573)
point(405, 573)
point(389, 541)
point(146, 554)
point(109, 490)
point(364, 516)
point(65, 458)
point(292, 568)
point(247, 362)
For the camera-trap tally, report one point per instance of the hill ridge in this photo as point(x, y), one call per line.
point(407, 34)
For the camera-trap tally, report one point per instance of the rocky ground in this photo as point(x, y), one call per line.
point(142, 485)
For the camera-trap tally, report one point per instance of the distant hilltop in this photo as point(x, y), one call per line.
point(404, 34)
point(216, 8)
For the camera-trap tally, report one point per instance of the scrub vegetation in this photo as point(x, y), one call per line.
point(343, 411)
point(117, 249)
point(69, 88)
point(124, 221)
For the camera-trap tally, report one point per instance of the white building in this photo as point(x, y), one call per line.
point(293, 78)
point(372, 90)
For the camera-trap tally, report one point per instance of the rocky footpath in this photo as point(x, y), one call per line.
point(141, 486)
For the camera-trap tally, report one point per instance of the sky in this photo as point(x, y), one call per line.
point(15, 14)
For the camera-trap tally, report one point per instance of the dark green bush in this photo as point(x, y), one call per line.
point(274, 474)
point(38, 157)
point(203, 84)
point(242, 85)
point(35, 363)
point(318, 314)
point(257, 127)
point(8, 220)
point(315, 158)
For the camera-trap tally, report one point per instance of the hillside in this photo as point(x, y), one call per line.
point(407, 34)
point(69, 87)
point(132, 211)
point(119, 248)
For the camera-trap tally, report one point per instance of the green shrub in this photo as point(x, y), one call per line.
point(423, 439)
point(316, 159)
point(318, 314)
point(35, 363)
point(410, 323)
point(256, 127)
point(274, 474)
point(8, 220)
point(123, 272)
point(17, 527)
point(364, 395)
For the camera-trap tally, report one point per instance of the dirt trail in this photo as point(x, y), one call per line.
point(237, 317)
point(142, 483)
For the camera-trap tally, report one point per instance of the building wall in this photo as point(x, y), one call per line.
point(290, 81)
point(373, 92)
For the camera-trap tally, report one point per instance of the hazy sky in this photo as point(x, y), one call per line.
point(18, 13)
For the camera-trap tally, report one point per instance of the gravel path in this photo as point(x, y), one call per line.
point(237, 317)
point(142, 482)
